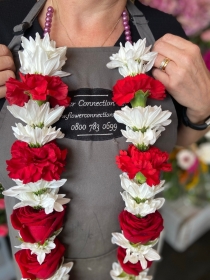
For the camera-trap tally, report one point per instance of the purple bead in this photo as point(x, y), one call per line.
point(48, 19)
point(125, 18)
point(48, 24)
point(50, 9)
point(125, 23)
point(128, 38)
point(49, 14)
point(127, 27)
point(127, 33)
point(124, 13)
point(47, 29)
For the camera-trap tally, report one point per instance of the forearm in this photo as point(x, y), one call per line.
point(187, 136)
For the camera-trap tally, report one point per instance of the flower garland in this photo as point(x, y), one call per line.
point(37, 162)
point(140, 222)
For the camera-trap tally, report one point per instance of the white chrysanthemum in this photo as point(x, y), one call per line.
point(34, 115)
point(136, 253)
point(49, 199)
point(36, 136)
point(186, 159)
point(117, 273)
point(139, 118)
point(62, 272)
point(39, 249)
point(40, 56)
point(142, 208)
point(203, 152)
point(133, 59)
point(37, 187)
point(140, 139)
point(143, 276)
point(140, 191)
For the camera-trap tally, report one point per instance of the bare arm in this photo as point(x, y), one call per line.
point(188, 81)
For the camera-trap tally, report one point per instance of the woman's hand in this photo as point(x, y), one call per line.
point(186, 77)
point(7, 68)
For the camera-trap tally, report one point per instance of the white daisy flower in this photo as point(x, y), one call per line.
point(143, 276)
point(133, 59)
point(136, 253)
point(139, 118)
point(117, 273)
point(142, 139)
point(62, 272)
point(39, 249)
point(48, 199)
point(34, 115)
point(38, 187)
point(141, 207)
point(140, 191)
point(40, 56)
point(36, 136)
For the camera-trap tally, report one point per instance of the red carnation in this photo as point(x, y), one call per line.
point(32, 164)
point(37, 87)
point(31, 269)
point(34, 225)
point(128, 267)
point(124, 90)
point(150, 163)
point(141, 229)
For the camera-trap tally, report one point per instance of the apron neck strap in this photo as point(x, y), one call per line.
point(140, 22)
point(19, 29)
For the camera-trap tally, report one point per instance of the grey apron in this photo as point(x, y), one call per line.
point(93, 139)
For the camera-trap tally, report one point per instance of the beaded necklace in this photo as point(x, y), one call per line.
point(125, 18)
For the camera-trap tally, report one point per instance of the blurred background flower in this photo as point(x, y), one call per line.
point(191, 173)
point(194, 15)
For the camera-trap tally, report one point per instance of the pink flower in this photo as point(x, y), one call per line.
point(206, 57)
point(205, 35)
point(194, 16)
point(3, 230)
point(2, 204)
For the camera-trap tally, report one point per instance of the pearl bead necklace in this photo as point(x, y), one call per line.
point(49, 16)
point(48, 20)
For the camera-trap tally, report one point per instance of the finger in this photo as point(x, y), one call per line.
point(4, 51)
point(170, 67)
point(7, 63)
point(5, 75)
point(2, 91)
point(168, 50)
point(176, 41)
point(161, 76)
